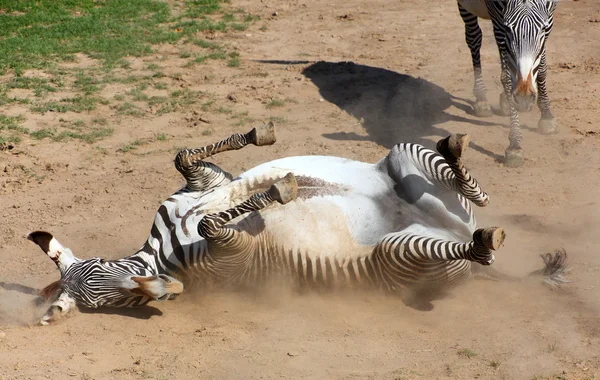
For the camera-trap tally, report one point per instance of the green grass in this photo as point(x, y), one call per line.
point(91, 137)
point(129, 109)
point(40, 34)
point(69, 130)
point(467, 353)
point(278, 119)
point(274, 103)
point(10, 129)
point(234, 59)
point(243, 119)
point(131, 146)
point(45, 31)
point(74, 104)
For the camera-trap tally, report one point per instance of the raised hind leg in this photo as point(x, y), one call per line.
point(201, 175)
point(230, 248)
point(405, 260)
point(445, 169)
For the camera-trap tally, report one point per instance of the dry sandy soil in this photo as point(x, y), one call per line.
point(410, 80)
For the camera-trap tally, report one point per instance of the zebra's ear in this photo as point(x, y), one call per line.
point(62, 256)
point(156, 287)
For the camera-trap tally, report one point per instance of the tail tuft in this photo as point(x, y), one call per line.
point(555, 268)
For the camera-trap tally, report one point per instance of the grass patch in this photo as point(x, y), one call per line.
point(234, 60)
point(90, 137)
point(242, 119)
point(177, 100)
point(129, 109)
point(10, 129)
point(467, 353)
point(40, 34)
point(37, 33)
point(278, 119)
point(86, 84)
point(131, 146)
point(74, 104)
point(40, 86)
point(274, 103)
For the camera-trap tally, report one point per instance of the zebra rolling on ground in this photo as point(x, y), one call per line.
point(521, 29)
point(403, 224)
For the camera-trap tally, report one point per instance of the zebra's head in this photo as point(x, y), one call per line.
point(525, 27)
point(96, 282)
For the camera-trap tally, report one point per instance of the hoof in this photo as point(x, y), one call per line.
point(513, 158)
point(264, 135)
point(284, 190)
point(454, 146)
point(547, 126)
point(493, 237)
point(504, 109)
point(482, 109)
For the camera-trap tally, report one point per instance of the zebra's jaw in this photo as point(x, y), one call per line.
point(62, 256)
point(58, 309)
point(159, 287)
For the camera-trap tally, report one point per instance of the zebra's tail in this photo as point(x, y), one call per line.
point(552, 274)
point(555, 268)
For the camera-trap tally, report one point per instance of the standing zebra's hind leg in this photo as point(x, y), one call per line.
point(202, 176)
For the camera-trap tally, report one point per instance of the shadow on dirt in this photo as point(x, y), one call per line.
point(142, 312)
point(393, 107)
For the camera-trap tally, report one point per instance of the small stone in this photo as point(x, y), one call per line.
point(2, 334)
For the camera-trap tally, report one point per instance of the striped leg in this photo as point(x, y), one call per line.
point(446, 169)
point(226, 239)
point(202, 176)
point(473, 37)
point(406, 260)
point(513, 156)
point(547, 123)
point(452, 148)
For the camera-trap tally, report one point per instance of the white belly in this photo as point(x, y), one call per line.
point(476, 7)
point(352, 221)
point(359, 211)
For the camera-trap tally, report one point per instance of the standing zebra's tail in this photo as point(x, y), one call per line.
point(552, 274)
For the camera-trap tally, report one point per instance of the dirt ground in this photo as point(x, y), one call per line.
point(410, 80)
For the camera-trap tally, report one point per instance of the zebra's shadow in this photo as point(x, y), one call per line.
point(393, 107)
point(142, 312)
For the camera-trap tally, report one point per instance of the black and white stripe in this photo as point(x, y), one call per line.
point(521, 29)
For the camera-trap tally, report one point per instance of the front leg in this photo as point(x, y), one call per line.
point(513, 157)
point(406, 260)
point(202, 176)
point(221, 238)
point(547, 123)
point(58, 309)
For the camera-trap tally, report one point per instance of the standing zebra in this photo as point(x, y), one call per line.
point(403, 224)
point(521, 29)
